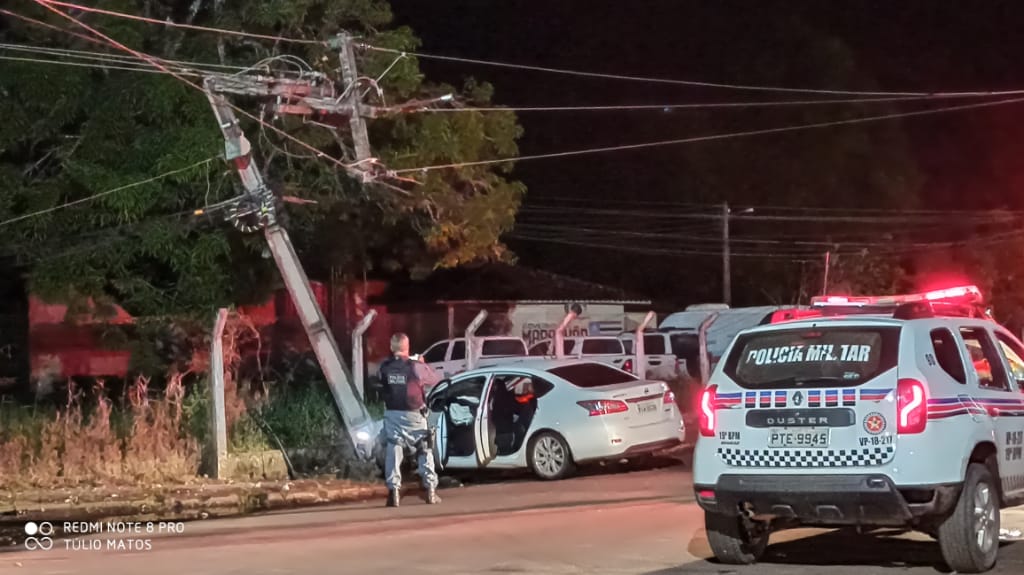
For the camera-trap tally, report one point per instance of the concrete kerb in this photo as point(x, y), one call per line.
point(1012, 524)
point(183, 502)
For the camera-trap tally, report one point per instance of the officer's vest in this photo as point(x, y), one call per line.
point(403, 390)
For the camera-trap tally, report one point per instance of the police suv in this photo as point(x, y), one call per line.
point(902, 411)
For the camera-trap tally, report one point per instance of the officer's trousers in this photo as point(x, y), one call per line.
point(402, 431)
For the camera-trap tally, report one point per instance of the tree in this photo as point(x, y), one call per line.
point(72, 132)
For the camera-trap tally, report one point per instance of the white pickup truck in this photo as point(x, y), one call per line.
point(666, 353)
point(448, 356)
point(605, 349)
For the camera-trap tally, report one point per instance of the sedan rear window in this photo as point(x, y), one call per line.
point(502, 347)
point(592, 374)
point(817, 356)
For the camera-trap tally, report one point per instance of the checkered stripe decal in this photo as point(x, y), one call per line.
point(867, 457)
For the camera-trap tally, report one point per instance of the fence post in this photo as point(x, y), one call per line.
point(702, 338)
point(359, 355)
point(559, 340)
point(638, 346)
point(470, 336)
point(218, 419)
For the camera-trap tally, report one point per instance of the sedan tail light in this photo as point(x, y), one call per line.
point(603, 406)
point(669, 398)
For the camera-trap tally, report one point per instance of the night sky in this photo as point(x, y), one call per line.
point(967, 160)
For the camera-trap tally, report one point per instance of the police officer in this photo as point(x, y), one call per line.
point(405, 421)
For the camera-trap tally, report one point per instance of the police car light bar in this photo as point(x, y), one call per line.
point(961, 294)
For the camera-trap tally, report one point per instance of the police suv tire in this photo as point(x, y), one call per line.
point(958, 534)
point(731, 542)
point(538, 453)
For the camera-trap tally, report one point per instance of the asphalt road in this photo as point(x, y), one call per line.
point(641, 523)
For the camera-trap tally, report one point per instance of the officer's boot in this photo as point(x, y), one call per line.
point(431, 496)
point(393, 498)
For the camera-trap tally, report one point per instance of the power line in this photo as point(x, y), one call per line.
point(683, 106)
point(764, 214)
point(791, 255)
point(42, 24)
point(193, 68)
point(692, 83)
point(714, 137)
point(763, 207)
point(93, 66)
point(172, 24)
point(748, 87)
point(108, 57)
point(106, 193)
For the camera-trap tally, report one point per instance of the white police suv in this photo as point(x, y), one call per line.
point(901, 411)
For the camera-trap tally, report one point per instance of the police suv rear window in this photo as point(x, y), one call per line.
point(813, 357)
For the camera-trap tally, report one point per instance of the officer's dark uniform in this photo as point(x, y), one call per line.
point(405, 426)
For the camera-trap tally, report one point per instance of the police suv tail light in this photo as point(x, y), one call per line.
point(603, 406)
point(627, 365)
point(911, 406)
point(707, 411)
point(669, 398)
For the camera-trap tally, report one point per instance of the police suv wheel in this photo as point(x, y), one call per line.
point(969, 538)
point(733, 540)
point(549, 456)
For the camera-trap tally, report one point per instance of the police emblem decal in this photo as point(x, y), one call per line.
point(798, 398)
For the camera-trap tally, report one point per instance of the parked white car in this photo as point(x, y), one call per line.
point(448, 357)
point(549, 415)
point(605, 349)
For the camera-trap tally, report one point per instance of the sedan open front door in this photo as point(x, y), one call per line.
point(484, 430)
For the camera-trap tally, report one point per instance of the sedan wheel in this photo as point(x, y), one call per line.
point(549, 456)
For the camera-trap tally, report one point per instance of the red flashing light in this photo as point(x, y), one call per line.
point(707, 411)
point(969, 292)
point(706, 494)
point(598, 407)
point(953, 293)
point(911, 406)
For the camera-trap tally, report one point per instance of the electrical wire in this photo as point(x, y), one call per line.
point(715, 137)
point(42, 24)
point(762, 207)
point(155, 62)
point(115, 58)
point(581, 232)
point(748, 87)
point(883, 216)
point(792, 255)
point(172, 24)
point(93, 66)
point(683, 106)
point(692, 83)
point(106, 193)
point(303, 67)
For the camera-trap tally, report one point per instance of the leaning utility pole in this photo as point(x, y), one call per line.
point(255, 210)
point(726, 272)
point(343, 44)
